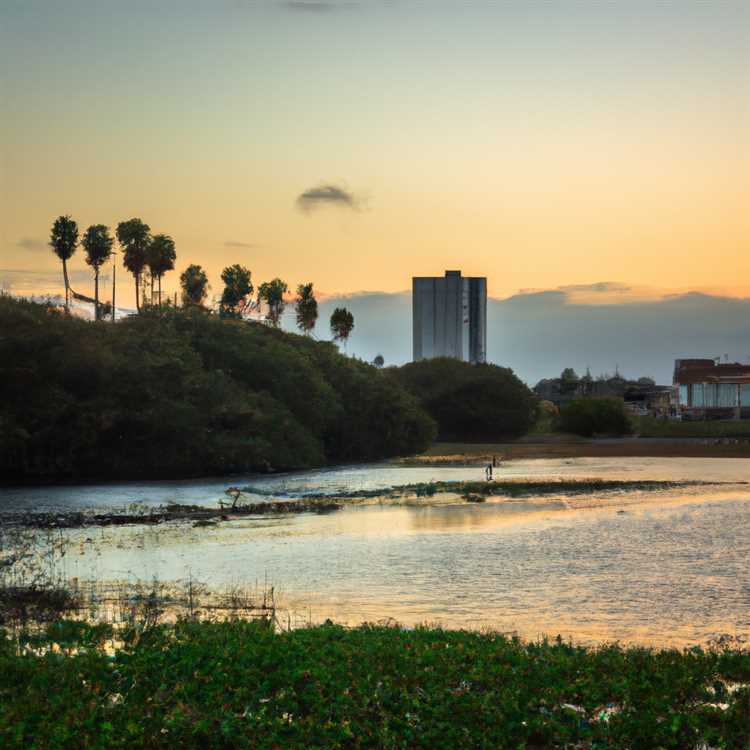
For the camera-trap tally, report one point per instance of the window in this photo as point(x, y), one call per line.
point(698, 395)
point(727, 396)
point(709, 395)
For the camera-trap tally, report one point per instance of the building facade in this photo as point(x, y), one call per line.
point(449, 315)
point(709, 390)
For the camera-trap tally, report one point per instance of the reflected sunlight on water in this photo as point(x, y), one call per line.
point(661, 568)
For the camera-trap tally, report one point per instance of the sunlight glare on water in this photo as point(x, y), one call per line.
point(657, 568)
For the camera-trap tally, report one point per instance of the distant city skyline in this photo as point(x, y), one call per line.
point(357, 144)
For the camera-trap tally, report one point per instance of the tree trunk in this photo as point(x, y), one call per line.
point(96, 293)
point(160, 291)
point(137, 292)
point(67, 285)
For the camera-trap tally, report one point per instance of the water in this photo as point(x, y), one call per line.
point(656, 568)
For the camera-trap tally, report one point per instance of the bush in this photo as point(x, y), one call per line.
point(219, 685)
point(590, 416)
point(470, 402)
point(184, 393)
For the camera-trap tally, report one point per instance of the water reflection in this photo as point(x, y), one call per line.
point(661, 574)
point(662, 568)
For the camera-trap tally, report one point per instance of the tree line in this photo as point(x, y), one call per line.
point(177, 393)
point(149, 257)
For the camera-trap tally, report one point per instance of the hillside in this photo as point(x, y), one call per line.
point(183, 394)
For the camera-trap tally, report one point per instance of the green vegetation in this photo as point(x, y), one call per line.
point(64, 241)
point(342, 324)
point(470, 402)
point(194, 284)
point(725, 428)
point(184, 393)
point(134, 237)
point(595, 416)
point(272, 293)
point(237, 297)
point(306, 308)
point(240, 684)
point(98, 246)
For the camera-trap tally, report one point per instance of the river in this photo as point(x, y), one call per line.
point(663, 568)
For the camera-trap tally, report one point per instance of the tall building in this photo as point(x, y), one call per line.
point(450, 317)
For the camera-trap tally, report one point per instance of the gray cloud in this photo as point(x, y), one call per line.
point(326, 195)
point(234, 243)
point(30, 243)
point(314, 6)
point(19, 279)
point(599, 286)
point(539, 334)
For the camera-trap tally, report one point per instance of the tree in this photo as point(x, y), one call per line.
point(469, 402)
point(236, 299)
point(134, 237)
point(160, 257)
point(272, 293)
point(307, 308)
point(64, 240)
point(591, 416)
point(378, 361)
point(194, 283)
point(97, 243)
point(568, 380)
point(342, 323)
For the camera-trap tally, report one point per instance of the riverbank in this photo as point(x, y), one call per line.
point(568, 446)
point(276, 502)
point(241, 684)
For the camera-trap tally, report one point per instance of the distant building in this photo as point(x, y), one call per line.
point(450, 317)
point(641, 397)
point(708, 390)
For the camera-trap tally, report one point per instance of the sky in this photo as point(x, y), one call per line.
point(544, 145)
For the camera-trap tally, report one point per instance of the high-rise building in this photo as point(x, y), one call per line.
point(450, 317)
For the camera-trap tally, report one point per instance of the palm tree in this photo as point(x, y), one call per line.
point(236, 298)
point(307, 308)
point(98, 246)
point(272, 293)
point(133, 236)
point(342, 324)
point(64, 240)
point(194, 283)
point(160, 258)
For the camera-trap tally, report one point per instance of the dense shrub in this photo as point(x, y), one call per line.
point(470, 402)
point(242, 685)
point(595, 416)
point(183, 394)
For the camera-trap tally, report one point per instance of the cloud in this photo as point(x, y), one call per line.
point(327, 195)
point(30, 243)
point(234, 243)
point(314, 6)
point(599, 286)
point(42, 281)
point(540, 334)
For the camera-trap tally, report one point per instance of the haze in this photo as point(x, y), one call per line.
point(356, 144)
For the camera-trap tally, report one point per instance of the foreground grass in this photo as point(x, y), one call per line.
point(239, 684)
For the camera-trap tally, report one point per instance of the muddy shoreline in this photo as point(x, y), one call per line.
point(424, 494)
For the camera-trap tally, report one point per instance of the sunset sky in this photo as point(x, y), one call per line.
point(355, 144)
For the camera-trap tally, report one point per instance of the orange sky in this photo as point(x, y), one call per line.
point(539, 146)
